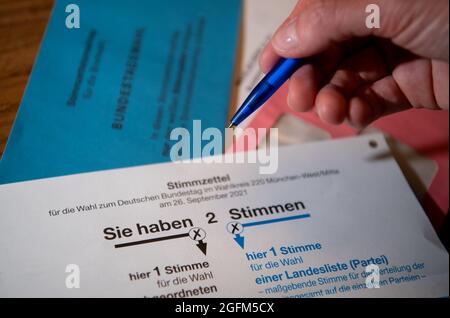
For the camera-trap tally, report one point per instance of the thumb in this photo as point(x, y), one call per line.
point(316, 25)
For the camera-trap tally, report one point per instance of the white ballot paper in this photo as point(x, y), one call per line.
point(337, 220)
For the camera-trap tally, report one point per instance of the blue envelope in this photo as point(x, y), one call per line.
point(107, 94)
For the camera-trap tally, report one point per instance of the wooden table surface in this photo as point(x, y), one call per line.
point(22, 25)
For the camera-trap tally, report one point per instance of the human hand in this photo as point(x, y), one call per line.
point(358, 73)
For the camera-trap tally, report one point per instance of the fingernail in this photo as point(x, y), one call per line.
point(286, 38)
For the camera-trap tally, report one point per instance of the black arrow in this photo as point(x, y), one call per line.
point(202, 246)
point(163, 238)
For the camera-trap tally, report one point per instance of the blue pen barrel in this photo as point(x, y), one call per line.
point(260, 94)
point(267, 87)
point(282, 71)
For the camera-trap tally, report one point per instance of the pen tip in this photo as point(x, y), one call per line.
point(231, 125)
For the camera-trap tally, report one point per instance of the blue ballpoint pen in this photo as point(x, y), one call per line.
point(266, 88)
